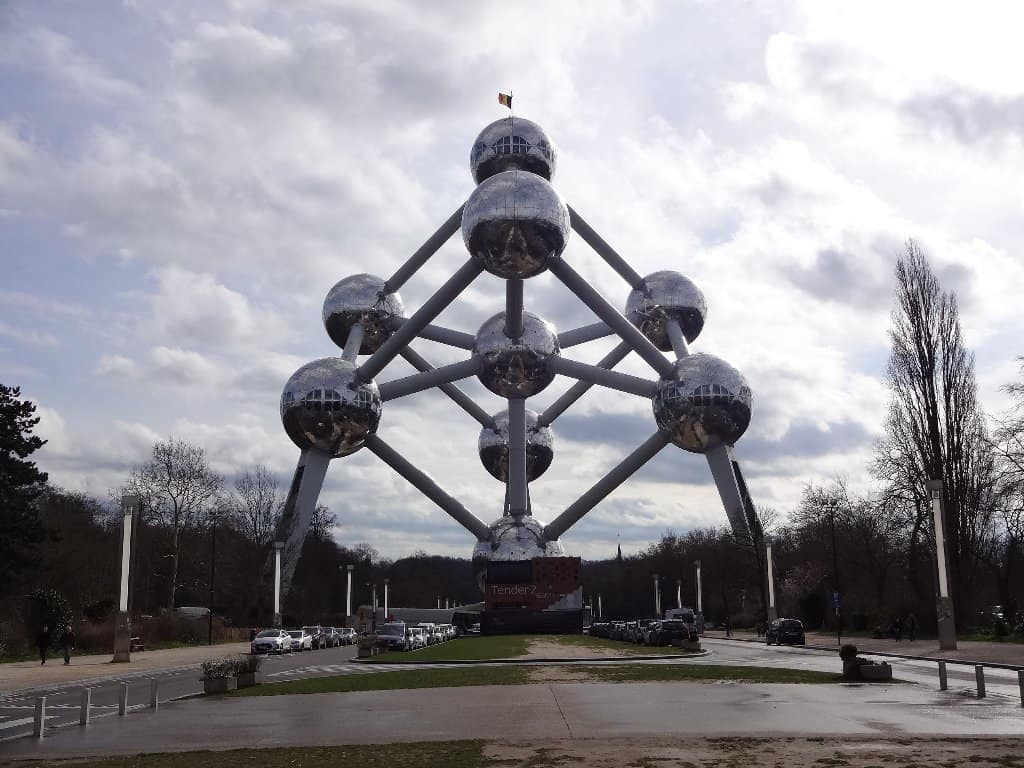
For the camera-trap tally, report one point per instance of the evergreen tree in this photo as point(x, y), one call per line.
point(21, 483)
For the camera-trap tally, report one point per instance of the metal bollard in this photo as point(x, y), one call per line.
point(83, 712)
point(943, 682)
point(1020, 684)
point(39, 723)
point(154, 699)
point(979, 676)
point(122, 700)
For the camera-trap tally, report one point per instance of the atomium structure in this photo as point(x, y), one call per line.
point(514, 225)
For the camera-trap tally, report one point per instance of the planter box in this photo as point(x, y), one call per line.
point(876, 672)
point(249, 679)
point(220, 685)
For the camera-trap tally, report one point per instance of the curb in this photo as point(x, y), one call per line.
point(571, 660)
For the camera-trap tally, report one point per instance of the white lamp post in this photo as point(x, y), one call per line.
point(123, 629)
point(386, 594)
point(679, 593)
point(348, 590)
point(657, 596)
point(278, 546)
point(700, 596)
point(772, 613)
point(944, 602)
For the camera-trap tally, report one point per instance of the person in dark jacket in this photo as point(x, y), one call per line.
point(43, 643)
point(67, 642)
point(911, 626)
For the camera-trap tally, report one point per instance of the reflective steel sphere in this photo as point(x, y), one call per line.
point(324, 407)
point(514, 223)
point(516, 367)
point(493, 447)
point(512, 143)
point(664, 296)
point(519, 537)
point(361, 299)
point(704, 404)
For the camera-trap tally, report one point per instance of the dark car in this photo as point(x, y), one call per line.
point(785, 632)
point(668, 631)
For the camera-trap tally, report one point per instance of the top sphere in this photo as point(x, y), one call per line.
point(514, 224)
point(512, 142)
point(665, 296)
point(361, 299)
point(703, 404)
point(323, 406)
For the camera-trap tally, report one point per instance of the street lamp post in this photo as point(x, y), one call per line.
point(386, 595)
point(600, 607)
point(130, 506)
point(700, 596)
point(657, 596)
point(679, 593)
point(278, 546)
point(836, 592)
point(944, 602)
point(213, 575)
point(348, 590)
point(772, 612)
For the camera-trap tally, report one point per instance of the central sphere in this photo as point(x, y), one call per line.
point(514, 224)
point(512, 143)
point(361, 299)
point(323, 406)
point(662, 297)
point(516, 367)
point(493, 447)
point(703, 404)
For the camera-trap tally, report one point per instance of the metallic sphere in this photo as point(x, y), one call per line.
point(323, 406)
point(361, 299)
point(665, 296)
point(516, 367)
point(493, 447)
point(513, 537)
point(514, 224)
point(705, 403)
point(512, 143)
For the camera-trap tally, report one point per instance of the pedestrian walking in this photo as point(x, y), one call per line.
point(911, 626)
point(728, 627)
point(43, 643)
point(897, 627)
point(67, 643)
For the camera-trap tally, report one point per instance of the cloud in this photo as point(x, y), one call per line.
point(28, 337)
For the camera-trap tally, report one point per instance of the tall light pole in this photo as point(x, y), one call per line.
point(130, 506)
point(600, 607)
point(772, 612)
point(836, 592)
point(944, 603)
point(348, 590)
point(700, 590)
point(386, 595)
point(278, 546)
point(679, 593)
point(213, 575)
point(657, 596)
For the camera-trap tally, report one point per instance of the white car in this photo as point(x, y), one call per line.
point(301, 640)
point(271, 641)
point(418, 638)
point(429, 630)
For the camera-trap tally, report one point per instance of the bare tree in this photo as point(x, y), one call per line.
point(935, 429)
point(322, 523)
point(257, 506)
point(177, 487)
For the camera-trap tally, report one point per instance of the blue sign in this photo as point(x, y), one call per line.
point(836, 600)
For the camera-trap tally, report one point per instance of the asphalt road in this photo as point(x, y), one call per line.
point(17, 711)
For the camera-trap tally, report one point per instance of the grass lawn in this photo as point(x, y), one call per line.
point(614, 647)
point(465, 754)
point(524, 674)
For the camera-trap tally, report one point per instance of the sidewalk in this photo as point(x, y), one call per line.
point(967, 650)
point(24, 675)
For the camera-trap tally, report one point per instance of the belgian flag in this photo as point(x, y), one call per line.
point(505, 99)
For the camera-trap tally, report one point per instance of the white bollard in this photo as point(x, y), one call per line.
point(39, 723)
point(122, 700)
point(1020, 684)
point(83, 712)
point(943, 682)
point(979, 676)
point(154, 699)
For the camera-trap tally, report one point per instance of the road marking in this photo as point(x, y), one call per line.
point(21, 721)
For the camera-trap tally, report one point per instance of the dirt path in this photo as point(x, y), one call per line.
point(747, 751)
point(552, 649)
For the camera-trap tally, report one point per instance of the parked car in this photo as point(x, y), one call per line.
point(331, 638)
point(631, 633)
point(433, 637)
point(346, 636)
point(417, 638)
point(664, 632)
point(271, 641)
point(618, 630)
point(316, 632)
point(785, 632)
point(641, 633)
point(600, 628)
point(301, 640)
point(394, 635)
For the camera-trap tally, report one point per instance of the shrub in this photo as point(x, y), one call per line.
point(47, 607)
point(218, 669)
point(247, 663)
point(848, 652)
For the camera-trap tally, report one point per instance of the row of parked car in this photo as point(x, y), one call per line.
point(399, 636)
point(646, 631)
point(309, 638)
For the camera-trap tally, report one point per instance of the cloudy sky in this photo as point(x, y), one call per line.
point(180, 185)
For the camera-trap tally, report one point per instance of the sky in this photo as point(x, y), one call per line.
point(181, 184)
